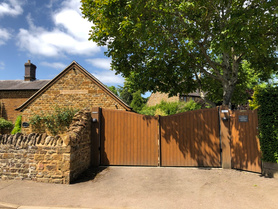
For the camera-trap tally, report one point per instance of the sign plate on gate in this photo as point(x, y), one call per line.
point(243, 118)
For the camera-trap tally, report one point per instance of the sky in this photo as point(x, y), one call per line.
point(50, 33)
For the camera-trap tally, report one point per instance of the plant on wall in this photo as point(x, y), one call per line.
point(17, 125)
point(5, 125)
point(55, 123)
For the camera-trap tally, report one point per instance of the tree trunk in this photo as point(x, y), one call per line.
point(228, 89)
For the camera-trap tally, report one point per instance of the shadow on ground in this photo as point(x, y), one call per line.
point(89, 174)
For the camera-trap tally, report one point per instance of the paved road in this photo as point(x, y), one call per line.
point(141, 187)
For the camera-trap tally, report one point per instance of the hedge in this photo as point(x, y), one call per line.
point(268, 123)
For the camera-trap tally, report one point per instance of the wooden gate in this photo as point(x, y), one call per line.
point(191, 139)
point(185, 139)
point(128, 139)
point(245, 146)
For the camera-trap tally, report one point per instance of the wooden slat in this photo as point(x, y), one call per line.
point(245, 147)
point(128, 139)
point(191, 139)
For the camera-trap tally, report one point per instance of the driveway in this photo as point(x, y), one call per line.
point(150, 187)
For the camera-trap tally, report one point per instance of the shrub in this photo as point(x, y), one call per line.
point(170, 108)
point(268, 122)
point(17, 125)
point(55, 123)
point(189, 106)
point(5, 125)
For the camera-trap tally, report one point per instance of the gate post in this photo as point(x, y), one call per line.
point(225, 137)
point(95, 137)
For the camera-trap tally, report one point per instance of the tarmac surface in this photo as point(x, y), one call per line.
point(146, 187)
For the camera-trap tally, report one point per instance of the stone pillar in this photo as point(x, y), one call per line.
point(225, 135)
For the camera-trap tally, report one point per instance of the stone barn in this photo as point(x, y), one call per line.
point(74, 87)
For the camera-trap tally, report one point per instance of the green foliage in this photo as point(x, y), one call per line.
point(5, 124)
point(17, 125)
point(125, 95)
point(180, 46)
point(55, 123)
point(138, 101)
point(114, 90)
point(268, 122)
point(126, 92)
point(170, 108)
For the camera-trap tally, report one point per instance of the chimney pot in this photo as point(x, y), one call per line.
point(30, 71)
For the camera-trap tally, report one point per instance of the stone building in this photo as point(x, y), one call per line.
point(157, 97)
point(74, 87)
point(14, 93)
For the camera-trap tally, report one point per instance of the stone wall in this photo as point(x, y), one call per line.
point(74, 89)
point(78, 138)
point(157, 97)
point(10, 100)
point(43, 158)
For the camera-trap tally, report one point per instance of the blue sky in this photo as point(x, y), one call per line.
point(50, 33)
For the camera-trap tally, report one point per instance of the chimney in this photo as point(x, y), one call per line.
point(30, 71)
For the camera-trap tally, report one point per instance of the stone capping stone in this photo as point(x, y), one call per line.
point(270, 169)
point(79, 123)
point(20, 140)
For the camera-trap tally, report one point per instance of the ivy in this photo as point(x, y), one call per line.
point(54, 123)
point(268, 122)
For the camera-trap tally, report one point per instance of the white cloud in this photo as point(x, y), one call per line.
point(2, 65)
point(4, 36)
point(108, 77)
point(69, 36)
point(102, 63)
point(56, 65)
point(11, 7)
point(72, 4)
point(74, 24)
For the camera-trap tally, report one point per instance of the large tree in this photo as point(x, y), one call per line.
point(178, 46)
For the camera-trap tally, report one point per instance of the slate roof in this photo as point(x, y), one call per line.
point(9, 85)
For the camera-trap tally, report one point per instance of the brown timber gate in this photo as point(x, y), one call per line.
point(186, 139)
point(191, 139)
point(245, 145)
point(128, 138)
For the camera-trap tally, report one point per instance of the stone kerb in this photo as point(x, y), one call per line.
point(43, 158)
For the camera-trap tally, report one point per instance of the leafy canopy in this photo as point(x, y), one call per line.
point(178, 46)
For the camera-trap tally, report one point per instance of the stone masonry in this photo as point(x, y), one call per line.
point(10, 100)
point(59, 159)
point(157, 97)
point(74, 89)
